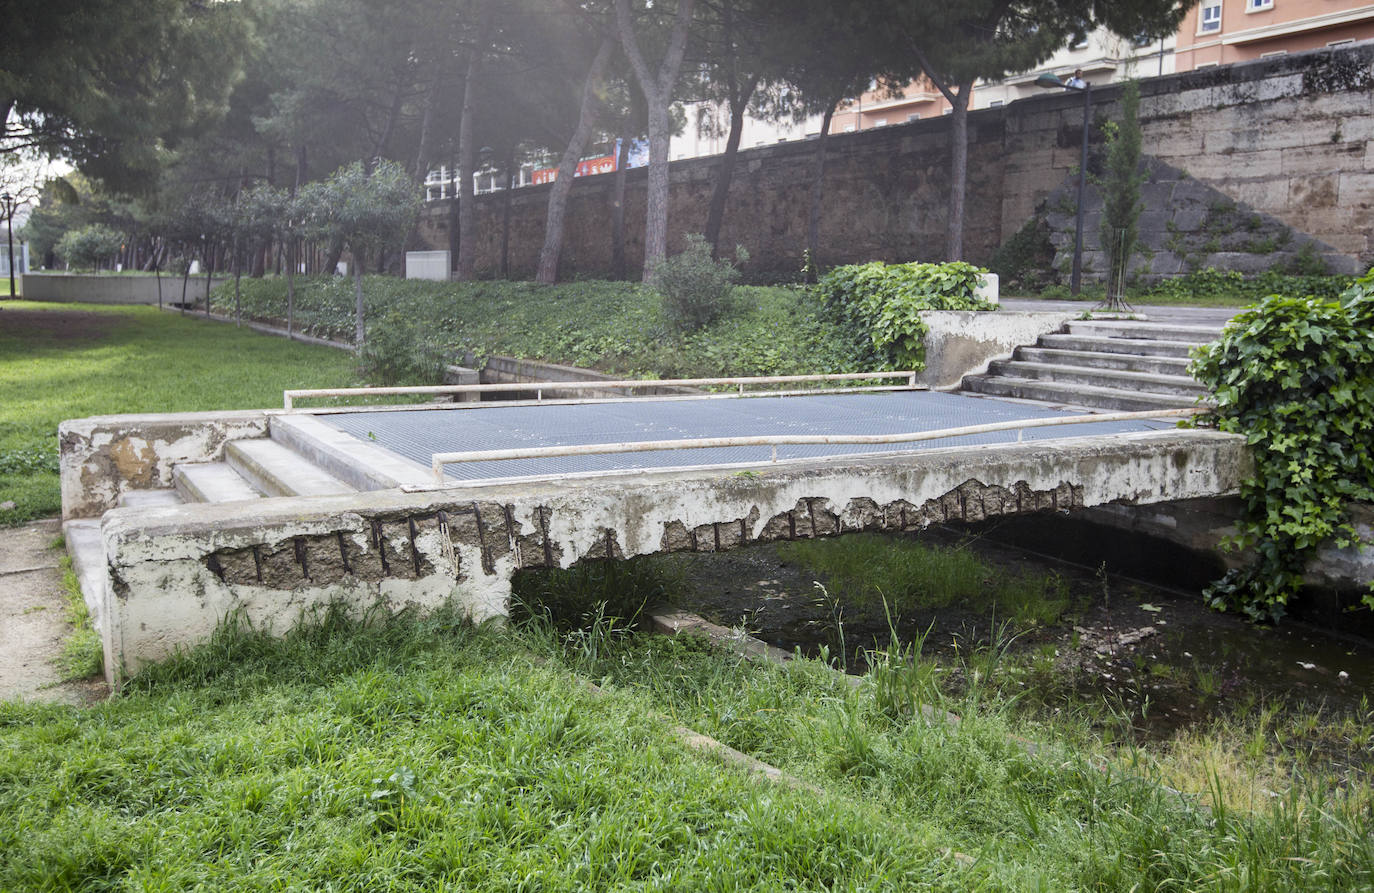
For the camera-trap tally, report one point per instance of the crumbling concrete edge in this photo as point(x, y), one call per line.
point(177, 572)
point(103, 457)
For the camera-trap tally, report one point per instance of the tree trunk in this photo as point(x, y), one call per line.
point(358, 327)
point(290, 284)
point(739, 101)
point(185, 280)
point(427, 125)
point(657, 88)
point(238, 274)
point(331, 258)
point(622, 174)
point(507, 165)
point(567, 167)
point(958, 172)
point(467, 156)
point(813, 216)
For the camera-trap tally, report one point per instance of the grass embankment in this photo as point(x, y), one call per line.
point(617, 327)
point(68, 361)
point(428, 755)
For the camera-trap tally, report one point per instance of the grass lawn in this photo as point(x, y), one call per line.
point(409, 755)
point(66, 361)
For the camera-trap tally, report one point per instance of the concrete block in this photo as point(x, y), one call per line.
point(963, 343)
point(1323, 159)
point(1242, 262)
point(1189, 220)
point(103, 457)
point(1356, 189)
point(1311, 192)
point(1262, 195)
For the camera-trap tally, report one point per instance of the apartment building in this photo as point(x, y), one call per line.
point(1221, 32)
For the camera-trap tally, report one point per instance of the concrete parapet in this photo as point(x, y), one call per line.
point(108, 289)
point(177, 572)
point(962, 342)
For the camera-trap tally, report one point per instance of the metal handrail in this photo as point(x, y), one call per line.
point(288, 397)
point(439, 460)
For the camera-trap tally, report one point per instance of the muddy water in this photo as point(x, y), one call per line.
point(1154, 652)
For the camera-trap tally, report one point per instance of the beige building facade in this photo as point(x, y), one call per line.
point(1222, 32)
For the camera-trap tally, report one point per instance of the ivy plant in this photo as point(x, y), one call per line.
point(1295, 375)
point(879, 305)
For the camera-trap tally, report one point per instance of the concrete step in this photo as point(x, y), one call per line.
point(1102, 360)
point(145, 498)
point(1072, 394)
point(1144, 382)
point(361, 465)
point(1149, 331)
point(212, 482)
point(279, 471)
point(87, 551)
point(1102, 344)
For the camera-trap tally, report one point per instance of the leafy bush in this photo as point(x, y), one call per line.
point(1295, 375)
point(87, 247)
point(696, 288)
point(402, 351)
point(1026, 260)
point(1231, 284)
point(879, 306)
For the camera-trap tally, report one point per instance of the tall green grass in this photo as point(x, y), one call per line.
point(403, 753)
point(868, 570)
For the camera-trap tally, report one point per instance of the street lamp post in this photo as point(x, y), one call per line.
point(7, 201)
point(1050, 81)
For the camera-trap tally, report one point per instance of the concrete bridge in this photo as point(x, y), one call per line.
point(177, 521)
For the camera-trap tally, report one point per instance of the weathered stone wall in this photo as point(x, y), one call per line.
point(1289, 137)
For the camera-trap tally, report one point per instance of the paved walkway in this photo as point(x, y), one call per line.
point(1190, 316)
point(32, 626)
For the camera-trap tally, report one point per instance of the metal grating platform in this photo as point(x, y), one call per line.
point(418, 434)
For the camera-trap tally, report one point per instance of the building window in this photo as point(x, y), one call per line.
point(1258, 5)
point(1202, 65)
point(914, 116)
point(1273, 54)
point(881, 122)
point(1210, 19)
point(849, 128)
point(947, 112)
point(1341, 43)
point(996, 103)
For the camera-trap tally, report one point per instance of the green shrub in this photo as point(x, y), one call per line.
point(1026, 260)
point(86, 248)
point(1231, 284)
point(879, 306)
point(1295, 375)
point(401, 351)
point(696, 288)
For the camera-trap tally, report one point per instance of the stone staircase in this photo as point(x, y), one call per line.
point(1123, 365)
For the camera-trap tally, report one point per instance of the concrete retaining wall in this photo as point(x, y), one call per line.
point(112, 289)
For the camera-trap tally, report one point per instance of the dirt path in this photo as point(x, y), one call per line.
point(32, 627)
